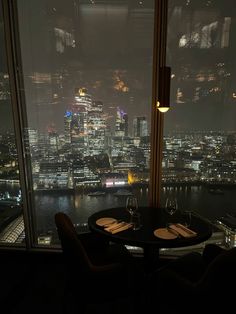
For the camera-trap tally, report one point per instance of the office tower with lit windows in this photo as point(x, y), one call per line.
point(83, 175)
point(96, 129)
point(79, 138)
point(76, 121)
point(140, 127)
point(53, 142)
point(31, 138)
point(121, 128)
point(53, 175)
point(67, 126)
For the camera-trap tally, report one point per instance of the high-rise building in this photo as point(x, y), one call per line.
point(32, 137)
point(96, 129)
point(82, 99)
point(53, 142)
point(121, 128)
point(140, 127)
point(76, 122)
point(67, 126)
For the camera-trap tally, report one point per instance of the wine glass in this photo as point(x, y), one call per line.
point(131, 204)
point(187, 218)
point(171, 205)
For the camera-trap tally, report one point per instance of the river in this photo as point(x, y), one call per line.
point(79, 206)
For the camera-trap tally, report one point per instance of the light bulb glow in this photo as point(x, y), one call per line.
point(162, 108)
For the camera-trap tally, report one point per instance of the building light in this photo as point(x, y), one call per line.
point(120, 183)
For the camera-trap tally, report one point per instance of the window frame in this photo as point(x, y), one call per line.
point(13, 56)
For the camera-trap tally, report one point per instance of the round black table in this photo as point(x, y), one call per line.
point(151, 219)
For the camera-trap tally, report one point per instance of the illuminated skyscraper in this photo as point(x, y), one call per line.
point(96, 129)
point(121, 128)
point(67, 126)
point(32, 137)
point(140, 128)
point(79, 121)
point(82, 99)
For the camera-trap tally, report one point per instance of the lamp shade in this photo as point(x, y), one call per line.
point(163, 103)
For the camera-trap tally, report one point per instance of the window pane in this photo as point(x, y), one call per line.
point(11, 217)
point(199, 134)
point(87, 73)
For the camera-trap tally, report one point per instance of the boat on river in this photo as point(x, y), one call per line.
point(97, 193)
point(123, 192)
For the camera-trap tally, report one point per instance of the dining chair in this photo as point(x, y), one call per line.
point(196, 282)
point(97, 271)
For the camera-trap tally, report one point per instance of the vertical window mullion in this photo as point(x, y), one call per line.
point(159, 59)
point(19, 113)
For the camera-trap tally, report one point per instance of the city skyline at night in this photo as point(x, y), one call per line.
point(87, 69)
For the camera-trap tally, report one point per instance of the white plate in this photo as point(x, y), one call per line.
point(105, 221)
point(164, 233)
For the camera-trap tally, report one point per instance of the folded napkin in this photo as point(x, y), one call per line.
point(117, 227)
point(183, 231)
point(114, 226)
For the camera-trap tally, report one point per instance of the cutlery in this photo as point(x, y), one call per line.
point(112, 223)
point(189, 231)
point(175, 232)
point(182, 230)
point(122, 228)
point(115, 226)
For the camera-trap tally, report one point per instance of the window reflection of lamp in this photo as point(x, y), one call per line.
point(163, 103)
point(162, 109)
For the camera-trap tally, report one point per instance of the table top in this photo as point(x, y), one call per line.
point(151, 219)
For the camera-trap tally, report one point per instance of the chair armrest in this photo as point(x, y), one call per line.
point(210, 252)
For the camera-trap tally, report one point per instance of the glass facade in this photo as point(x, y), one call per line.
point(87, 69)
point(200, 131)
point(87, 75)
point(11, 215)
